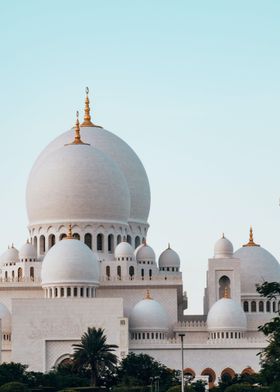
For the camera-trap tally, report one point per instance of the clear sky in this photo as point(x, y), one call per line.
point(192, 86)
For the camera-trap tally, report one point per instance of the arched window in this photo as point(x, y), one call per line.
point(99, 242)
point(31, 273)
point(189, 373)
point(35, 243)
point(211, 376)
point(119, 271)
point(261, 307)
point(253, 306)
point(108, 272)
point(76, 236)
point(224, 285)
point(150, 274)
point(51, 240)
point(246, 306)
point(88, 240)
point(42, 244)
point(273, 306)
point(68, 291)
point(136, 242)
point(131, 271)
point(268, 306)
point(19, 273)
point(110, 243)
point(119, 239)
point(63, 235)
point(128, 239)
point(142, 273)
point(227, 374)
point(6, 274)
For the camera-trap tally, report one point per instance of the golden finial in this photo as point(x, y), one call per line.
point(27, 241)
point(12, 245)
point(226, 294)
point(144, 242)
point(77, 139)
point(251, 239)
point(69, 234)
point(87, 117)
point(124, 239)
point(223, 235)
point(168, 245)
point(148, 295)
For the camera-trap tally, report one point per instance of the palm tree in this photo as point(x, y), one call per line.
point(94, 354)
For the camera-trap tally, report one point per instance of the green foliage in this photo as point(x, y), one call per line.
point(14, 387)
point(12, 371)
point(132, 389)
point(94, 354)
point(142, 370)
point(239, 388)
point(270, 356)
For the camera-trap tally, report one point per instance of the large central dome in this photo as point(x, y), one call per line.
point(123, 156)
point(77, 183)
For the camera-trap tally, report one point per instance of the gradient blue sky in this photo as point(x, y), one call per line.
point(192, 86)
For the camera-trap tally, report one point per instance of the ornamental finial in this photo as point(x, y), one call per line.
point(77, 139)
point(87, 118)
point(251, 239)
point(168, 245)
point(69, 234)
point(148, 295)
point(226, 294)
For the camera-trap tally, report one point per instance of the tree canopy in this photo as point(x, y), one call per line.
point(270, 356)
point(94, 354)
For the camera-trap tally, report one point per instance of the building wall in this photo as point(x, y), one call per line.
point(43, 330)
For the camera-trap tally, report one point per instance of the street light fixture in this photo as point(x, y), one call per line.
point(182, 355)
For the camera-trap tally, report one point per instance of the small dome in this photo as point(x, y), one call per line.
point(226, 315)
point(70, 262)
point(223, 249)
point(6, 319)
point(169, 258)
point(27, 251)
point(145, 253)
point(148, 315)
point(124, 249)
point(81, 183)
point(10, 256)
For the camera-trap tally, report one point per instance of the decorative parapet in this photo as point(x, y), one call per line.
point(190, 325)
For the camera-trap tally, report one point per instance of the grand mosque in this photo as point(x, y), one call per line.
point(88, 262)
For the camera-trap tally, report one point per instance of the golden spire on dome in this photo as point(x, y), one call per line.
point(251, 239)
point(87, 117)
point(69, 234)
point(168, 245)
point(77, 139)
point(226, 294)
point(144, 242)
point(223, 235)
point(148, 295)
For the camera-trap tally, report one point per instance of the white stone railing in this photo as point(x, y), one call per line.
point(22, 280)
point(191, 324)
point(155, 278)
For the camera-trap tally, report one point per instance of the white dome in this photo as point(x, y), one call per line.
point(27, 251)
point(169, 258)
point(124, 249)
point(124, 157)
point(145, 253)
point(226, 315)
point(11, 255)
point(256, 266)
point(148, 315)
point(72, 262)
point(6, 319)
point(223, 249)
point(77, 183)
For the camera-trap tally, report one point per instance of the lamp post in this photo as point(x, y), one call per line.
point(182, 355)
